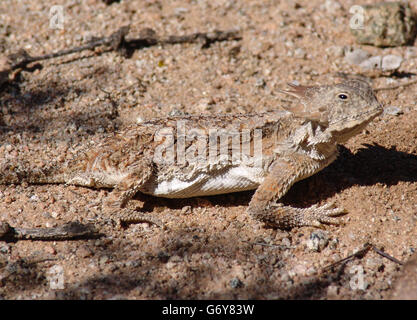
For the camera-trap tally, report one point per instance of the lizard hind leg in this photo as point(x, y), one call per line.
point(118, 210)
point(126, 189)
point(122, 194)
point(126, 195)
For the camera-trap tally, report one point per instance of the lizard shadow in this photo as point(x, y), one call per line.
point(368, 166)
point(142, 272)
point(401, 74)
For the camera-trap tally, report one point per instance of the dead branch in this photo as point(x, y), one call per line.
point(360, 254)
point(115, 42)
point(68, 231)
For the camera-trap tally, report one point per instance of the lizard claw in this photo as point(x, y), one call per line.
point(317, 215)
point(282, 216)
point(330, 209)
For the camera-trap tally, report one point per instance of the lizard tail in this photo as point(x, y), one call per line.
point(16, 174)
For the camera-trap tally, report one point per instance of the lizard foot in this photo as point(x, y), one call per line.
point(127, 217)
point(316, 215)
point(286, 217)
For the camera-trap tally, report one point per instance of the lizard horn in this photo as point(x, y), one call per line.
point(297, 91)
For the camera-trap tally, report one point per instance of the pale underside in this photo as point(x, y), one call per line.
point(200, 179)
point(228, 180)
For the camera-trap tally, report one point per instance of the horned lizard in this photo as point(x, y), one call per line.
point(181, 157)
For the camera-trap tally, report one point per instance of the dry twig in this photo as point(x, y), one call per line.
point(117, 42)
point(68, 231)
point(360, 254)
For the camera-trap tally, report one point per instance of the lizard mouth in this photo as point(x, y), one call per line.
point(348, 127)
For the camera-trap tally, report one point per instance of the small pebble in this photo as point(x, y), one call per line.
point(84, 252)
point(186, 210)
point(163, 256)
point(34, 198)
point(139, 120)
point(299, 53)
point(180, 10)
point(318, 241)
point(391, 62)
point(5, 248)
point(299, 270)
point(175, 112)
point(8, 199)
point(336, 51)
point(50, 224)
point(332, 291)
point(376, 264)
point(55, 214)
point(260, 83)
point(286, 242)
point(50, 250)
point(372, 63)
point(104, 259)
point(356, 56)
point(386, 63)
point(204, 104)
point(333, 243)
point(386, 24)
point(236, 283)
point(392, 111)
point(332, 6)
point(133, 263)
point(410, 53)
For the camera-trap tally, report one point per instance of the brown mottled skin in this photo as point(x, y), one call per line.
point(296, 144)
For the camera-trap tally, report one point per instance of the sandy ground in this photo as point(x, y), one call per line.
point(213, 249)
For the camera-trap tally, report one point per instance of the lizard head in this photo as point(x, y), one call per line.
point(343, 109)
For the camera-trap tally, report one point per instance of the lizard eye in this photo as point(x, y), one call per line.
point(342, 96)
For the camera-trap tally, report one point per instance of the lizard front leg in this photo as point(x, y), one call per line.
point(285, 172)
